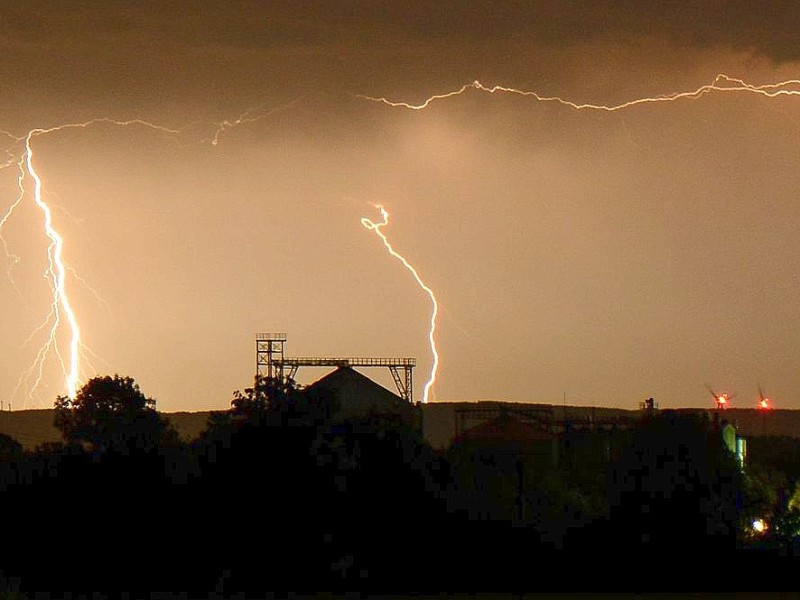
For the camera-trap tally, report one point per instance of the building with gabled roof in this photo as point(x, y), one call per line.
point(349, 394)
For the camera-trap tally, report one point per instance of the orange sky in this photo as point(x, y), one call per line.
point(608, 257)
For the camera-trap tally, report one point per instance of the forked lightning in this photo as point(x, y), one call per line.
point(21, 153)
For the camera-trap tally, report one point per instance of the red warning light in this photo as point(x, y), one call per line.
point(764, 403)
point(721, 400)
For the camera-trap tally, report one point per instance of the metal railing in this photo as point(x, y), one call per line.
point(312, 361)
point(271, 337)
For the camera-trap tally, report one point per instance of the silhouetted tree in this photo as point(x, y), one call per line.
point(258, 473)
point(115, 493)
point(10, 448)
point(264, 397)
point(111, 413)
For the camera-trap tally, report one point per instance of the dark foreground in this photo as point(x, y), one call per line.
point(279, 495)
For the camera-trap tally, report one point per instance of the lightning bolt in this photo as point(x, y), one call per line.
point(13, 257)
point(251, 115)
point(376, 227)
point(721, 83)
point(57, 274)
point(61, 310)
point(61, 313)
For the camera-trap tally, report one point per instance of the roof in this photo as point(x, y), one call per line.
point(355, 394)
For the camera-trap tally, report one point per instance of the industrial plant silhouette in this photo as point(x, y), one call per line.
point(344, 485)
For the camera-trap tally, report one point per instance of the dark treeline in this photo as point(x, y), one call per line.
point(281, 493)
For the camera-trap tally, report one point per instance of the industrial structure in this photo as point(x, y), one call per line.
point(446, 423)
point(271, 361)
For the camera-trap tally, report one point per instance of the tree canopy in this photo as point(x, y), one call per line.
point(10, 449)
point(112, 413)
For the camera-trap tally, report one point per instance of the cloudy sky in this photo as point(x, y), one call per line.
point(605, 257)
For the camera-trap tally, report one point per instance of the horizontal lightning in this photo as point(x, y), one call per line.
point(61, 307)
point(721, 83)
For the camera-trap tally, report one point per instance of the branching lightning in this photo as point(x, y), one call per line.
point(58, 275)
point(61, 309)
point(62, 314)
point(376, 227)
point(14, 258)
point(247, 117)
point(20, 154)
